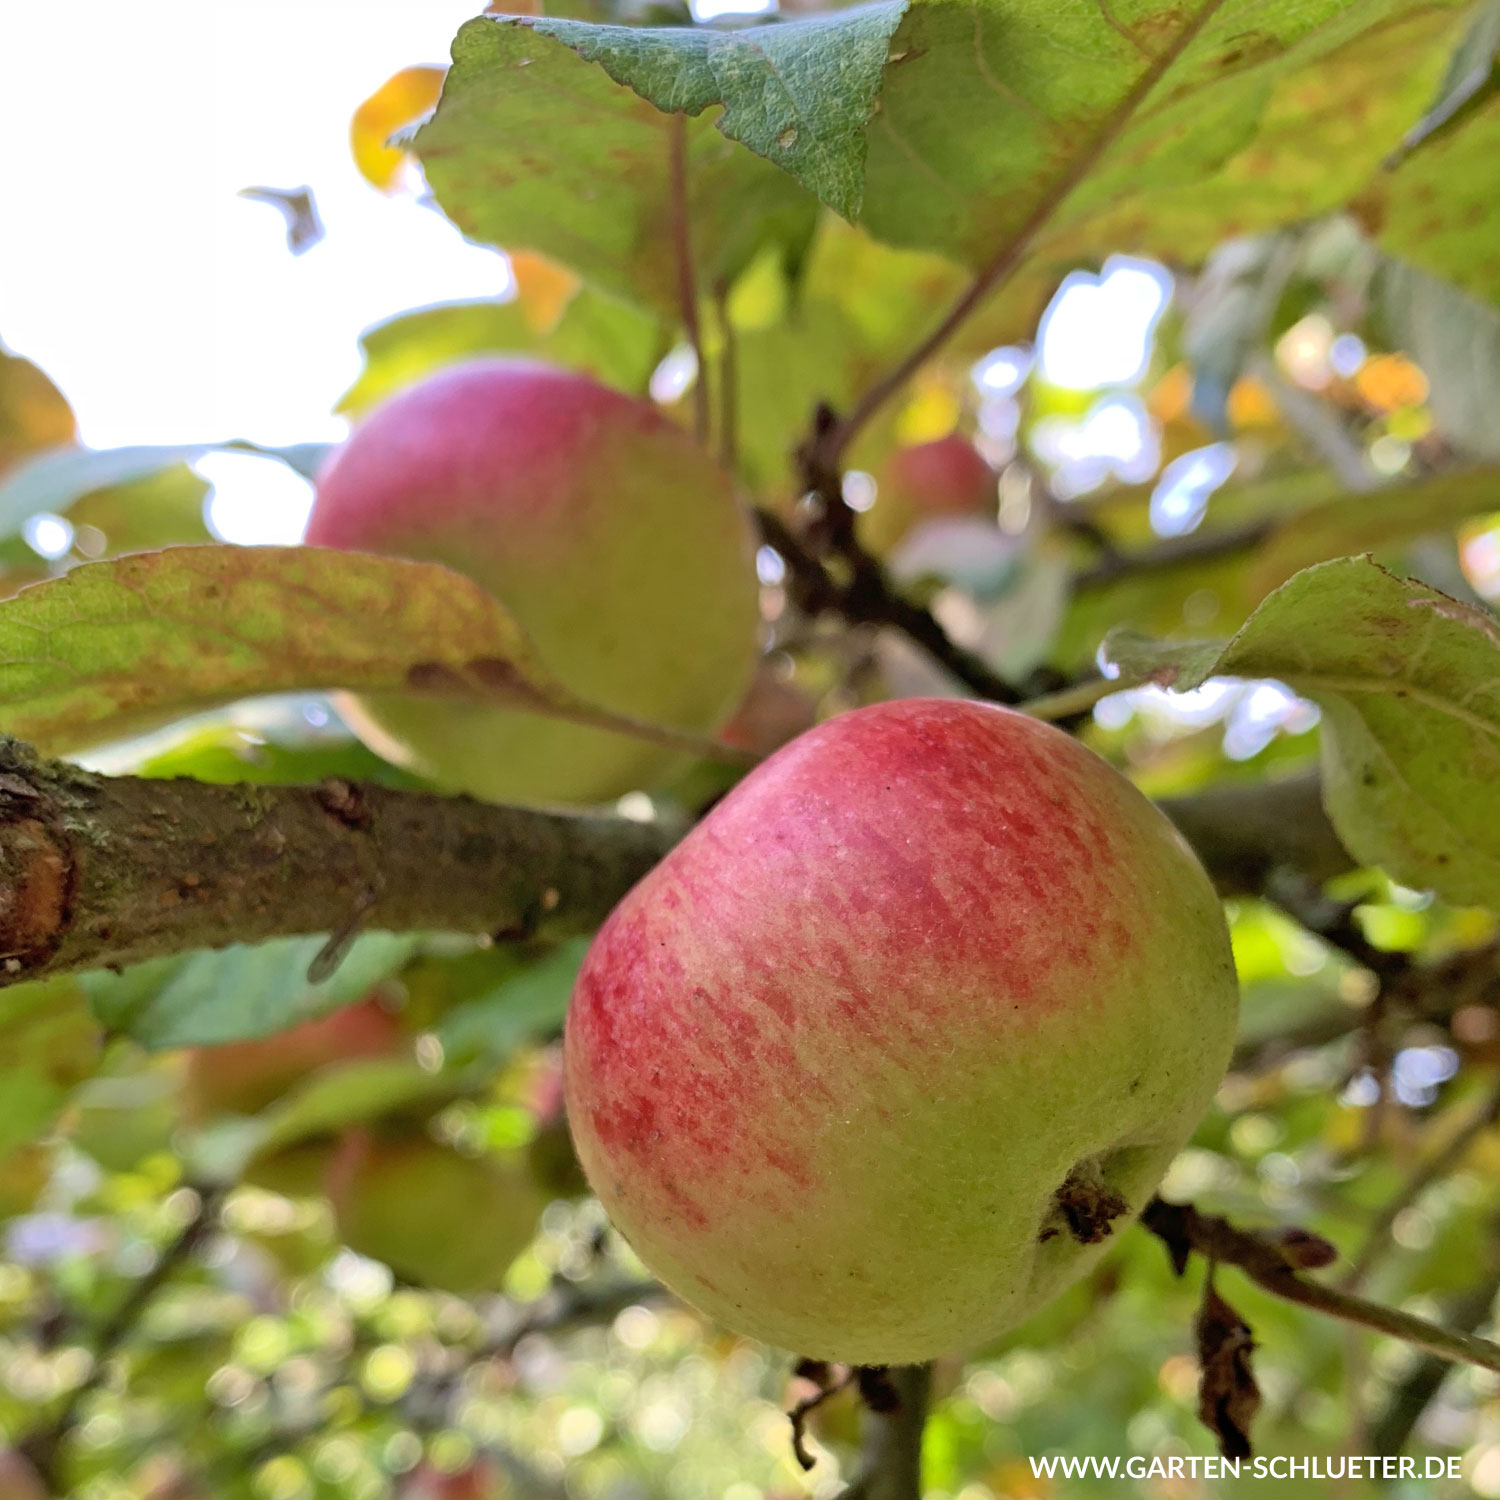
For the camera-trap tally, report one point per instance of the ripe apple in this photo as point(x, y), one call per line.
point(928, 481)
point(242, 1078)
point(434, 1216)
point(884, 1052)
point(550, 1157)
point(18, 1480)
point(615, 540)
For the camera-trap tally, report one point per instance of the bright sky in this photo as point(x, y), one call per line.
point(169, 309)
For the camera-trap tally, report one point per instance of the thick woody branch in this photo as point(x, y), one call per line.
point(98, 871)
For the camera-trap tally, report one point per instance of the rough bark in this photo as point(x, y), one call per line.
point(98, 870)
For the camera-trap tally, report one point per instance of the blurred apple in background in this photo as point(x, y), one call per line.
point(615, 540)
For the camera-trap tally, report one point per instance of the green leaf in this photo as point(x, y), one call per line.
point(48, 1043)
point(160, 509)
point(522, 1008)
point(33, 412)
point(610, 340)
point(799, 94)
point(1375, 521)
point(533, 148)
point(1409, 684)
point(1008, 129)
point(238, 993)
point(1439, 209)
point(55, 479)
point(224, 755)
point(113, 648)
point(337, 1097)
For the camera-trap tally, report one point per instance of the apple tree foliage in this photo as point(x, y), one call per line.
point(821, 220)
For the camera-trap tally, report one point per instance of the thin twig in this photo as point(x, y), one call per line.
point(868, 599)
point(1443, 1164)
point(1069, 702)
point(828, 1386)
point(41, 1447)
point(835, 440)
point(687, 281)
point(1272, 1262)
point(1175, 551)
point(729, 385)
point(1471, 1309)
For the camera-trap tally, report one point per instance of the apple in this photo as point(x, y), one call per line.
point(18, 1479)
point(616, 541)
point(774, 711)
point(426, 1482)
point(435, 1217)
point(928, 481)
point(242, 1078)
point(890, 1047)
point(550, 1157)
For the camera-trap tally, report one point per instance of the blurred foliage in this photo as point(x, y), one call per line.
point(376, 1274)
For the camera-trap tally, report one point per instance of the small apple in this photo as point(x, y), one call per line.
point(616, 541)
point(434, 1216)
point(774, 711)
point(882, 1055)
point(550, 1157)
point(476, 1482)
point(242, 1078)
point(925, 482)
point(18, 1479)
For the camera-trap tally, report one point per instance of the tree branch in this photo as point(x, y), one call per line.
point(1164, 556)
point(890, 1463)
point(1274, 1263)
point(100, 871)
point(1245, 831)
point(867, 598)
point(41, 1447)
point(1443, 1164)
point(1469, 1310)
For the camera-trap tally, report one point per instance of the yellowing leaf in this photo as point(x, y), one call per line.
point(113, 648)
point(34, 414)
point(543, 288)
point(404, 97)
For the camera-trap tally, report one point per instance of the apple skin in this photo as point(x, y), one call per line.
point(242, 1078)
point(18, 1480)
point(615, 540)
point(435, 1217)
point(928, 481)
point(829, 1064)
